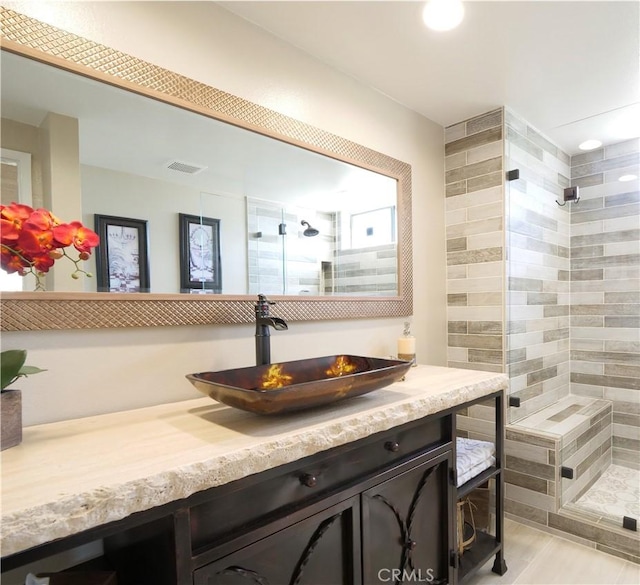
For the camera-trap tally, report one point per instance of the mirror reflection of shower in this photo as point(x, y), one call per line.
point(309, 232)
point(299, 250)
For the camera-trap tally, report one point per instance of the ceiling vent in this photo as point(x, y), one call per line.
point(183, 167)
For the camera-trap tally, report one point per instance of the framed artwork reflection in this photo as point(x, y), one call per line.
point(122, 259)
point(200, 254)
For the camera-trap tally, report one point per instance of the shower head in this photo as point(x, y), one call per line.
point(309, 232)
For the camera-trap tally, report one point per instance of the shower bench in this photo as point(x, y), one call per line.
point(552, 457)
point(578, 431)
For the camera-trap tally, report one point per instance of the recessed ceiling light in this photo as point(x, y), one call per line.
point(443, 14)
point(590, 145)
point(625, 178)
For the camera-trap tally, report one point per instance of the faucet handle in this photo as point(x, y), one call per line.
point(262, 306)
point(263, 299)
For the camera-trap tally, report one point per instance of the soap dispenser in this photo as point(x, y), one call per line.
point(407, 345)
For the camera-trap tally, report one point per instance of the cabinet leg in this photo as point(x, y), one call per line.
point(499, 565)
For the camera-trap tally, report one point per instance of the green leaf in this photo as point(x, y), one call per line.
point(11, 361)
point(28, 370)
point(12, 366)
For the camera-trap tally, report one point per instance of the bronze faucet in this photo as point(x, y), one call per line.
point(263, 335)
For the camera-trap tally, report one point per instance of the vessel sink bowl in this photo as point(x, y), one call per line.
point(299, 384)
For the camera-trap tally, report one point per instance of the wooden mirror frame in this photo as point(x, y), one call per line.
point(24, 311)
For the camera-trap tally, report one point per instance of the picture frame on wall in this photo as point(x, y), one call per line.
point(122, 258)
point(200, 254)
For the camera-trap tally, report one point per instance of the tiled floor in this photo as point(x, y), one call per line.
point(614, 495)
point(534, 557)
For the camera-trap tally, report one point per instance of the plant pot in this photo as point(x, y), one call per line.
point(10, 418)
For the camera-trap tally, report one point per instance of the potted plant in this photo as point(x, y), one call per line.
point(12, 367)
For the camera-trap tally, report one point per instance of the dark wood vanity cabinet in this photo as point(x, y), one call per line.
point(360, 513)
point(406, 530)
point(322, 548)
point(378, 510)
point(393, 521)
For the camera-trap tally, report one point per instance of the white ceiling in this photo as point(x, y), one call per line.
point(569, 68)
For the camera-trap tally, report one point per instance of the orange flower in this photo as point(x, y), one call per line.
point(82, 238)
point(11, 218)
point(16, 212)
point(32, 240)
point(42, 220)
point(11, 262)
point(10, 230)
point(43, 262)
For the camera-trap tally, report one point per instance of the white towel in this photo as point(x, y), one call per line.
point(33, 580)
point(473, 457)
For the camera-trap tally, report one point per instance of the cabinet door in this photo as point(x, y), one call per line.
point(406, 526)
point(323, 548)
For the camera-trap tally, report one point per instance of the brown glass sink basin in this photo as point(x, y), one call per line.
point(299, 384)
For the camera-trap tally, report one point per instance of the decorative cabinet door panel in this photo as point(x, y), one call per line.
point(323, 548)
point(406, 531)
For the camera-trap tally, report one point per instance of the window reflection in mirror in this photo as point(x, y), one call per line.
point(145, 160)
point(15, 185)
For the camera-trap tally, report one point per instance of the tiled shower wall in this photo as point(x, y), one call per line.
point(605, 285)
point(290, 263)
point(294, 264)
point(550, 353)
point(538, 285)
point(595, 350)
point(475, 234)
point(370, 271)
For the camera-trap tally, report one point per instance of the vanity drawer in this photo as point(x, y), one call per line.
point(252, 501)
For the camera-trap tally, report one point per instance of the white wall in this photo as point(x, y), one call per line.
point(107, 192)
point(99, 371)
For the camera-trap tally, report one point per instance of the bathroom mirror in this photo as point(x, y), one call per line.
point(266, 202)
point(150, 161)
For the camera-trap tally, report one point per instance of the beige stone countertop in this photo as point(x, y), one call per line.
point(73, 475)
